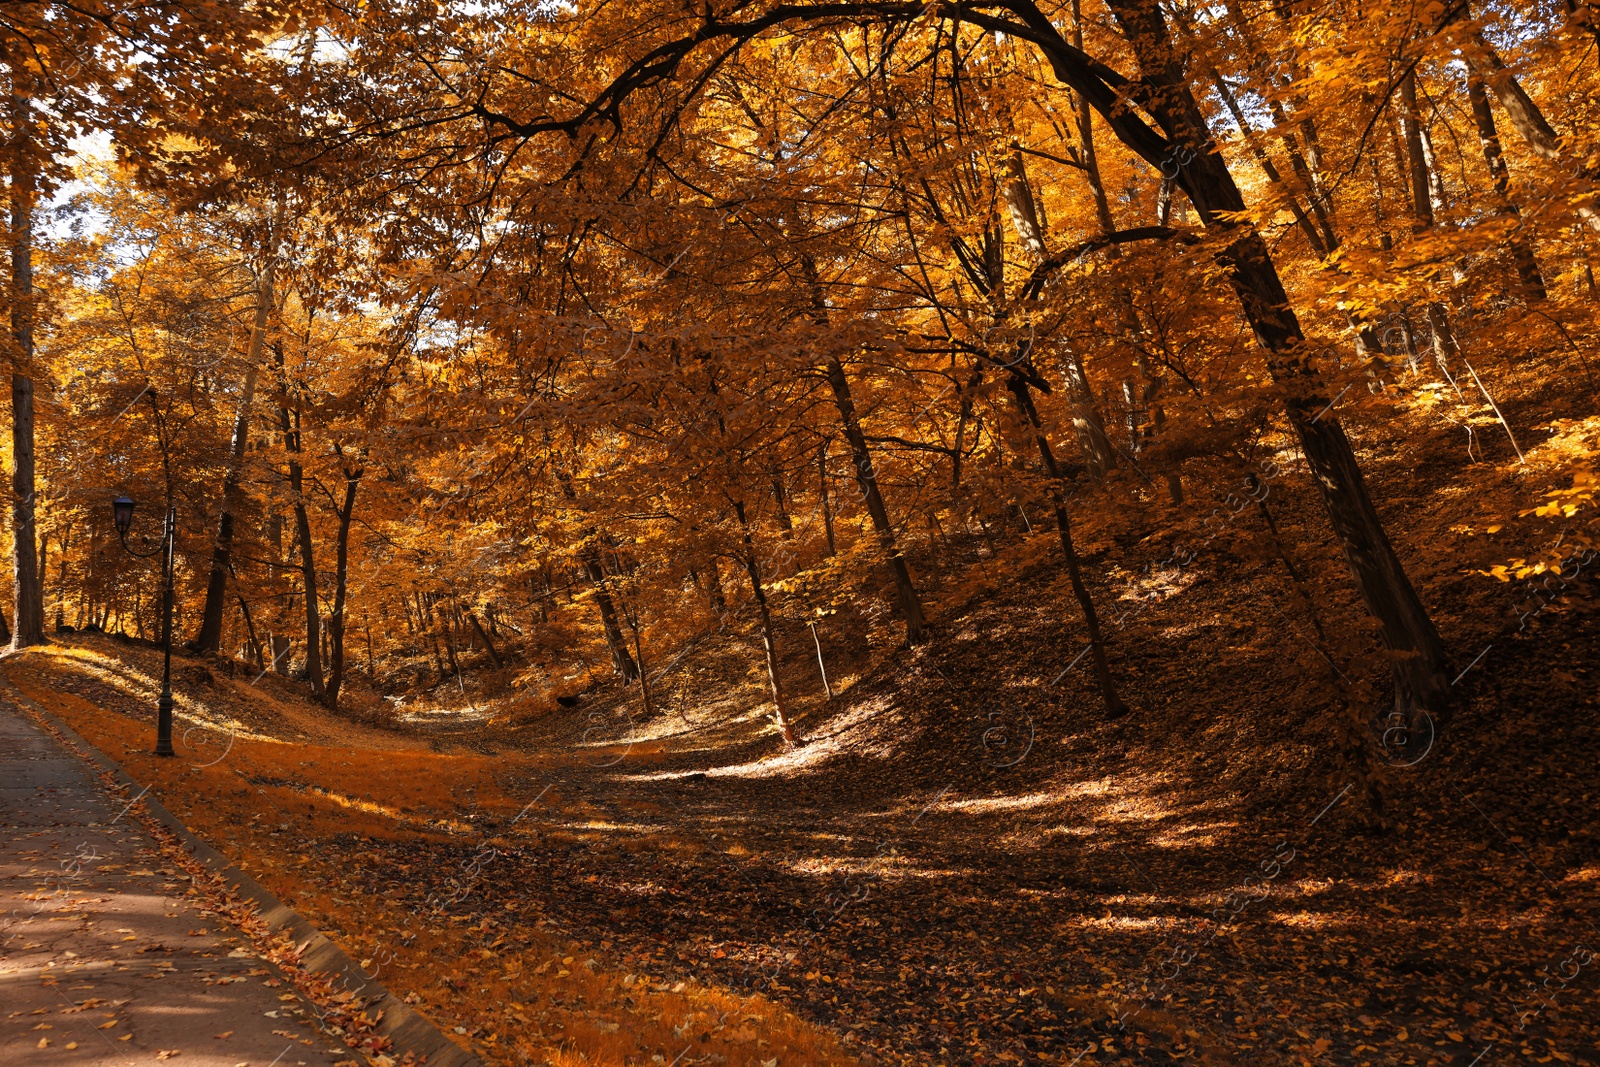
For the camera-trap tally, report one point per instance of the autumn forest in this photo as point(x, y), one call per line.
point(783, 533)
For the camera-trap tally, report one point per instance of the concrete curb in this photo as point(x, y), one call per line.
point(404, 1027)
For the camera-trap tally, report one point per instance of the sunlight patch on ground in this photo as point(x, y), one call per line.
point(1119, 923)
point(1095, 787)
point(1199, 835)
point(808, 755)
point(991, 805)
point(1304, 920)
point(441, 716)
point(890, 866)
point(120, 675)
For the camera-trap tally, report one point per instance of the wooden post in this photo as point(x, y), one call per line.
point(820, 665)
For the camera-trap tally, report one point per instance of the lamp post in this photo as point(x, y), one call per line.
point(122, 513)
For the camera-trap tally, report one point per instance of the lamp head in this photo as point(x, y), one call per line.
point(122, 512)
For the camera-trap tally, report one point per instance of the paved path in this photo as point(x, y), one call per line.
point(105, 957)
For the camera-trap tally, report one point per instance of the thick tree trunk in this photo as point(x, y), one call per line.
point(867, 479)
point(1416, 653)
point(210, 635)
point(29, 595)
point(282, 649)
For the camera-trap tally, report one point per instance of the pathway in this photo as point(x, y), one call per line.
point(106, 957)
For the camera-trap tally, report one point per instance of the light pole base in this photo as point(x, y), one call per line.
point(164, 727)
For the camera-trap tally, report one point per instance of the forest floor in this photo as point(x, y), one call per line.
point(965, 864)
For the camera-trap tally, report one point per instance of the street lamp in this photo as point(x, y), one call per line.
point(122, 514)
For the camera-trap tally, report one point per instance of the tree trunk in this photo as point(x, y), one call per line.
point(718, 599)
point(29, 596)
point(430, 627)
point(867, 479)
point(61, 591)
point(621, 659)
point(210, 634)
point(250, 627)
point(1091, 161)
point(780, 498)
point(1030, 230)
point(1530, 123)
point(281, 649)
point(341, 571)
point(449, 647)
point(963, 416)
point(1417, 655)
point(44, 568)
point(1416, 156)
point(768, 641)
point(290, 425)
point(1307, 228)
point(1423, 201)
point(644, 673)
point(1088, 424)
point(1097, 655)
point(1522, 257)
point(488, 645)
point(822, 491)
